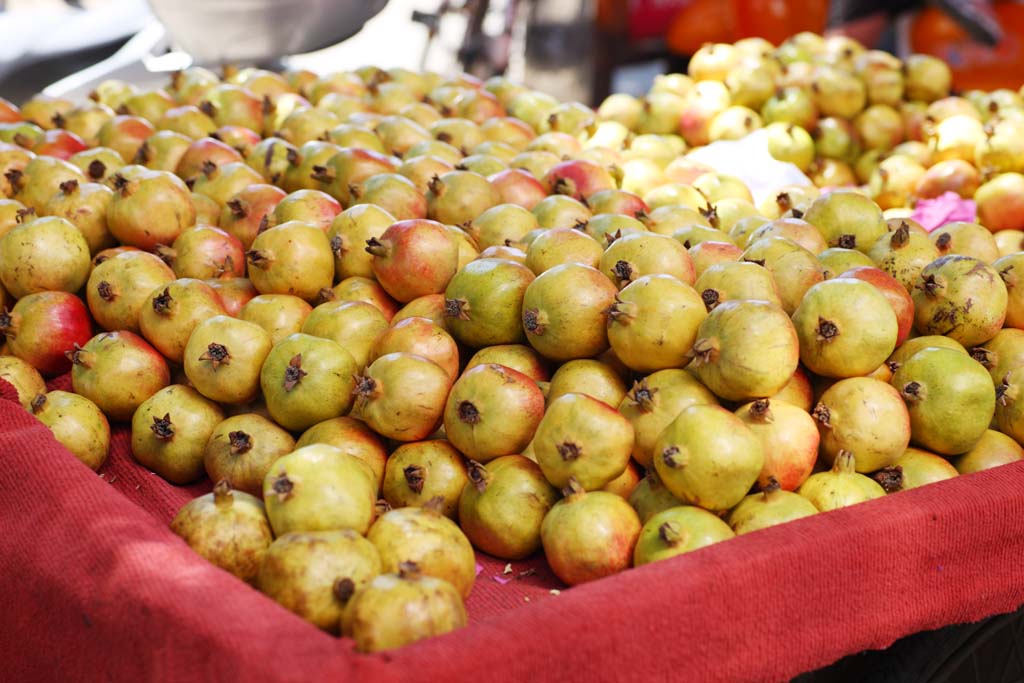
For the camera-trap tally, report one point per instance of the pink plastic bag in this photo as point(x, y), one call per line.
point(946, 208)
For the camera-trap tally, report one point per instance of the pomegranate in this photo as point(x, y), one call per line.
point(356, 324)
point(653, 323)
point(558, 246)
point(966, 239)
point(77, 423)
point(893, 291)
point(315, 574)
point(676, 531)
point(398, 609)
point(352, 437)
point(903, 254)
point(291, 258)
point(173, 311)
point(319, 488)
point(729, 354)
point(915, 344)
point(1002, 353)
point(992, 450)
point(309, 206)
point(429, 306)
point(589, 535)
point(518, 357)
point(959, 297)
point(162, 151)
point(241, 450)
point(205, 153)
point(187, 120)
point(234, 292)
point(401, 396)
point(794, 269)
point(841, 486)
point(917, 467)
point(560, 211)
point(483, 302)
point(348, 235)
point(228, 528)
point(170, 430)
point(595, 378)
point(125, 134)
point(863, 416)
point(846, 328)
point(423, 535)
point(44, 254)
point(1010, 268)
point(636, 255)
point(950, 398)
point(25, 379)
point(223, 358)
point(306, 380)
point(736, 281)
point(84, 206)
point(789, 440)
point(650, 497)
point(999, 201)
point(413, 258)
point(847, 219)
point(703, 440)
point(120, 286)
point(117, 371)
point(42, 326)
point(458, 197)
point(363, 289)
point(419, 472)
point(565, 312)
point(423, 338)
point(950, 175)
point(770, 507)
point(798, 391)
point(492, 411)
point(248, 212)
point(150, 209)
point(519, 187)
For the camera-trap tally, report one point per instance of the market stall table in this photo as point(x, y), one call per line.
point(97, 587)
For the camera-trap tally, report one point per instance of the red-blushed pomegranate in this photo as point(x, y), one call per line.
point(25, 379)
point(863, 416)
point(846, 328)
point(418, 472)
point(44, 254)
point(306, 380)
point(992, 450)
point(770, 507)
point(578, 178)
point(171, 313)
point(710, 253)
point(789, 440)
point(149, 209)
point(1000, 204)
point(565, 312)
point(241, 450)
point(279, 314)
point(492, 411)
point(841, 486)
point(309, 206)
point(347, 167)
point(798, 391)
point(120, 286)
point(354, 324)
point(394, 193)
point(583, 439)
point(421, 337)
point(204, 152)
point(745, 350)
point(207, 210)
point(708, 457)
point(223, 358)
point(234, 292)
point(401, 396)
point(413, 258)
point(77, 423)
point(518, 357)
point(589, 535)
point(247, 213)
point(483, 302)
point(42, 326)
point(348, 234)
point(398, 609)
point(117, 371)
point(316, 573)
point(319, 488)
point(352, 437)
point(423, 535)
point(960, 297)
point(59, 143)
point(893, 291)
point(949, 175)
point(516, 186)
point(676, 531)
point(503, 507)
point(291, 258)
point(422, 169)
point(228, 528)
point(170, 430)
point(125, 134)
point(84, 205)
point(357, 288)
point(653, 323)
point(429, 306)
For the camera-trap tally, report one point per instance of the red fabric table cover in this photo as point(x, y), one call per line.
point(97, 588)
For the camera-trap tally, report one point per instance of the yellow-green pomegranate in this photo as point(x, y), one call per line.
point(846, 328)
point(589, 376)
point(419, 472)
point(502, 507)
point(961, 298)
point(771, 506)
point(706, 456)
point(992, 450)
point(920, 467)
point(748, 349)
point(866, 417)
point(841, 486)
point(950, 398)
point(170, 430)
point(565, 312)
point(676, 531)
point(242, 448)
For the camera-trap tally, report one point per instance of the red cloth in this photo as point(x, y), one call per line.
point(97, 588)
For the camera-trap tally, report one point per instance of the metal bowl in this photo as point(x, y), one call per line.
point(260, 31)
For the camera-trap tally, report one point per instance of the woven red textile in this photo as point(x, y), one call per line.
point(97, 588)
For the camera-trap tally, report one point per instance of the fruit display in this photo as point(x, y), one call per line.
point(396, 319)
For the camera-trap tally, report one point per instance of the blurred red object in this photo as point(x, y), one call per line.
point(974, 65)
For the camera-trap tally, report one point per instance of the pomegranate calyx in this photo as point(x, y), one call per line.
point(760, 411)
point(106, 291)
point(457, 308)
point(162, 427)
point(826, 330)
point(668, 456)
point(415, 477)
point(477, 474)
point(282, 487)
point(293, 373)
point(624, 272)
point(711, 298)
point(670, 534)
point(222, 495)
point(642, 395)
point(69, 186)
point(343, 589)
point(162, 302)
point(240, 442)
point(847, 241)
point(96, 170)
point(38, 401)
point(468, 413)
point(338, 246)
point(890, 478)
point(375, 247)
point(217, 354)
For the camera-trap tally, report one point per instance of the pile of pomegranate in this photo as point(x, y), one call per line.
point(397, 317)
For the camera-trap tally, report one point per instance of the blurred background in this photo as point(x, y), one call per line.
point(576, 49)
